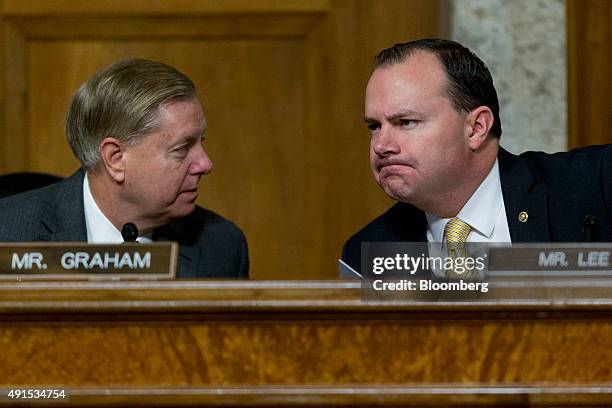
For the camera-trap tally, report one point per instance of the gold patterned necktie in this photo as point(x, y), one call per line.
point(456, 232)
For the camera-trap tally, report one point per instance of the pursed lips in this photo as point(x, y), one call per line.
point(386, 163)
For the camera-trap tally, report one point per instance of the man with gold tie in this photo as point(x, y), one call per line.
point(433, 114)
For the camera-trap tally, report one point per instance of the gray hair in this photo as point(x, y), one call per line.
point(122, 101)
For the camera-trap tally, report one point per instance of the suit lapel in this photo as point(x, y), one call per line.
point(65, 220)
point(526, 207)
point(189, 255)
point(418, 233)
point(66, 235)
point(408, 223)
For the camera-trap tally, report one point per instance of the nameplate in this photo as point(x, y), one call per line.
point(552, 258)
point(129, 261)
point(421, 271)
point(399, 260)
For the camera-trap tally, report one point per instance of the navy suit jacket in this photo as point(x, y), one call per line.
point(210, 245)
point(557, 191)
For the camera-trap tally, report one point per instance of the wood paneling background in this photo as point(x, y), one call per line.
point(282, 84)
point(589, 61)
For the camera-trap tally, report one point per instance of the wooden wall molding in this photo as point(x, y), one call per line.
point(50, 8)
point(589, 62)
point(24, 21)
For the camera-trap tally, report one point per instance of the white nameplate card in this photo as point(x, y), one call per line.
point(66, 260)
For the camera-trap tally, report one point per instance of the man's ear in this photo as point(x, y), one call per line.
point(480, 122)
point(112, 152)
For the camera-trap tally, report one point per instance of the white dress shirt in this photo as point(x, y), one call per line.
point(484, 211)
point(99, 229)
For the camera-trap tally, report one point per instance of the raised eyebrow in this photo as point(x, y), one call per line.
point(401, 114)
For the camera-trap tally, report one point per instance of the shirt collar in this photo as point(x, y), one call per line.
point(480, 211)
point(99, 228)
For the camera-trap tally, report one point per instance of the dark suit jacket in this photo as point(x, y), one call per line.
point(210, 246)
point(557, 191)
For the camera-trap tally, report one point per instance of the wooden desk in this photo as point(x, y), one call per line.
point(272, 343)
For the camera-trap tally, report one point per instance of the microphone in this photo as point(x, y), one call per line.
point(587, 227)
point(129, 232)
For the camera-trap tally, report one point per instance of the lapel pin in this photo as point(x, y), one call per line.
point(523, 216)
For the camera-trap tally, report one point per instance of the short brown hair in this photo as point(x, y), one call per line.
point(470, 84)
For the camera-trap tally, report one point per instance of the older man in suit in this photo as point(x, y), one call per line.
point(137, 129)
point(433, 113)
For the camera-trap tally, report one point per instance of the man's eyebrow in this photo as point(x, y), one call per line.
point(401, 114)
point(395, 116)
point(187, 140)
